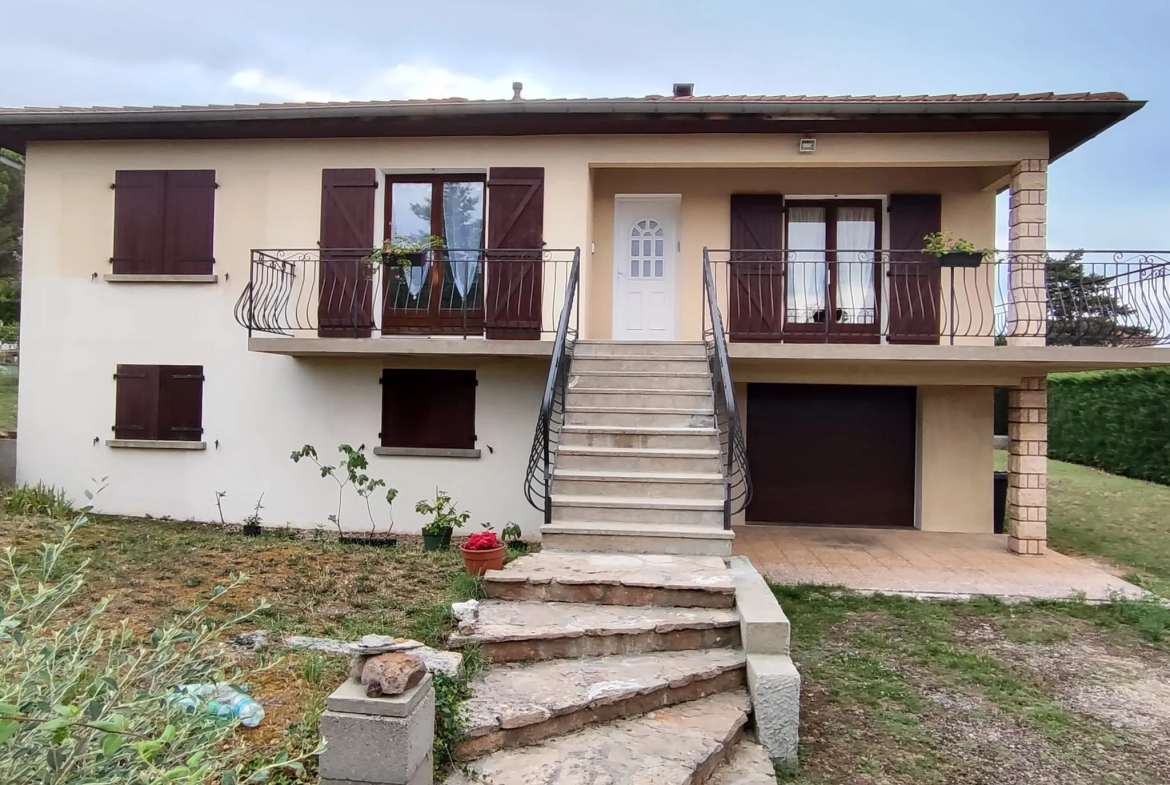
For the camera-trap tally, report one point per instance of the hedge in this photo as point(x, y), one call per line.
point(1118, 421)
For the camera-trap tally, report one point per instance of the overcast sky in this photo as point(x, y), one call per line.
point(1113, 193)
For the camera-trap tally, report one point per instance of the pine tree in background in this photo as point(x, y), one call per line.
point(1083, 307)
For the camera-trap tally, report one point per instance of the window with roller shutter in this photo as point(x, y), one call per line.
point(164, 222)
point(159, 403)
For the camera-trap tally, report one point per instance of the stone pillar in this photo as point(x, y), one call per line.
point(1027, 238)
point(1028, 467)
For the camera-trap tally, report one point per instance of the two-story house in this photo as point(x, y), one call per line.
point(644, 318)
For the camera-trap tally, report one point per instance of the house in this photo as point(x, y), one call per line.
point(649, 317)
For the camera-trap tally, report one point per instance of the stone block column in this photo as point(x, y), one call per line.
point(1028, 467)
point(1027, 245)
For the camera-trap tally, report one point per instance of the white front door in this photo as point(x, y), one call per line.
point(645, 257)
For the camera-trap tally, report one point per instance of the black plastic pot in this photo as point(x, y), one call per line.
point(961, 259)
point(517, 546)
point(374, 541)
point(437, 542)
point(1000, 501)
point(252, 530)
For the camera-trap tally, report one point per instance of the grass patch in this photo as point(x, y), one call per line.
point(9, 379)
point(882, 674)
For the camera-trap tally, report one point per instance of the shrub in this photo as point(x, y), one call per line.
point(82, 703)
point(39, 499)
point(1118, 421)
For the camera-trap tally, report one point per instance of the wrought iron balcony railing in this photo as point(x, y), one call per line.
point(347, 293)
point(1073, 298)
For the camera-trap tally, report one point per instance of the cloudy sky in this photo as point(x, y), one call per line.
point(1114, 193)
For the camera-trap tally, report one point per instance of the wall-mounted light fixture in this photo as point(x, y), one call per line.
point(807, 144)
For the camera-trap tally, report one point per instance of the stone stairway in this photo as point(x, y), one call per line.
point(638, 467)
point(623, 668)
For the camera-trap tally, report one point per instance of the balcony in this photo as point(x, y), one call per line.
point(1062, 298)
point(512, 297)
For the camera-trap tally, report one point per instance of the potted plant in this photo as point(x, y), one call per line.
point(511, 535)
point(404, 252)
point(445, 518)
point(954, 252)
point(350, 471)
point(482, 551)
point(252, 523)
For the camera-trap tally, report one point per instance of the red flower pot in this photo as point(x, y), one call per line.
point(479, 562)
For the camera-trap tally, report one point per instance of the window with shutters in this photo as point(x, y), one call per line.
point(159, 403)
point(164, 222)
point(444, 291)
point(428, 409)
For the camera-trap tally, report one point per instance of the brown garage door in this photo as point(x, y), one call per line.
point(831, 454)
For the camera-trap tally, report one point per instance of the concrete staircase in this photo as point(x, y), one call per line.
point(638, 467)
point(616, 668)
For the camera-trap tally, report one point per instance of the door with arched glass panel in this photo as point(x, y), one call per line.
point(645, 256)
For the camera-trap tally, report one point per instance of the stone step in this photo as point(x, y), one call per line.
point(586, 458)
point(633, 416)
point(748, 764)
point(610, 537)
point(614, 579)
point(679, 745)
point(639, 437)
point(678, 380)
point(639, 349)
point(642, 399)
point(682, 512)
point(641, 364)
point(658, 485)
point(532, 631)
point(519, 705)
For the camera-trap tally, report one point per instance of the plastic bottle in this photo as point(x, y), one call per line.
point(245, 708)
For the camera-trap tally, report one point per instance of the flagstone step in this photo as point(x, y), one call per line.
point(748, 764)
point(615, 579)
point(680, 745)
point(584, 348)
point(585, 458)
point(532, 631)
point(616, 537)
point(513, 706)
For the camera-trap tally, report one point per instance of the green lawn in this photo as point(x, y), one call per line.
point(1122, 521)
point(8, 380)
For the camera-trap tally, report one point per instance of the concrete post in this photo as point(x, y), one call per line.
point(1027, 255)
point(1028, 467)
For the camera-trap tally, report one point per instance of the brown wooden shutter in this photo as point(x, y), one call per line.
point(514, 294)
point(428, 408)
point(756, 301)
point(914, 276)
point(345, 304)
point(190, 222)
point(136, 402)
point(139, 218)
point(180, 409)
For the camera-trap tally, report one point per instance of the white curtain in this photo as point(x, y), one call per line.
point(416, 276)
point(807, 271)
point(463, 230)
point(856, 239)
point(410, 220)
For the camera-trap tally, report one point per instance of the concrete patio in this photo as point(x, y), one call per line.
point(923, 564)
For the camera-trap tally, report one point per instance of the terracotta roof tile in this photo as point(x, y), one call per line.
point(852, 99)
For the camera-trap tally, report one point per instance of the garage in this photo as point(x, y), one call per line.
point(837, 455)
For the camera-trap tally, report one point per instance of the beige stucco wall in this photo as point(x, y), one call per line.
point(968, 211)
point(953, 488)
point(955, 459)
point(76, 327)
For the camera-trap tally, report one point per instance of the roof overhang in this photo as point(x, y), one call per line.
point(1068, 123)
